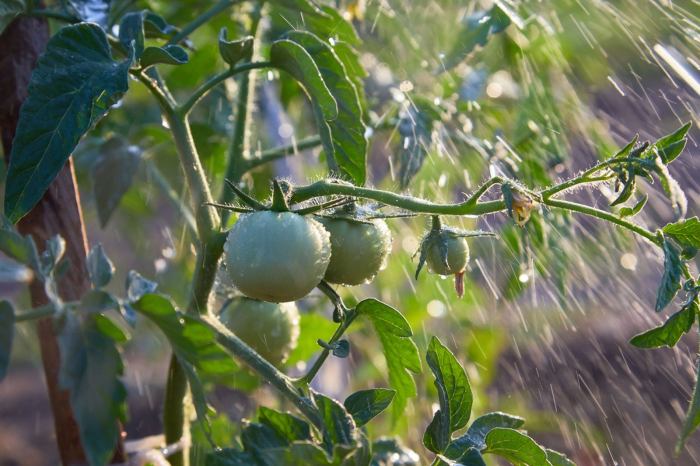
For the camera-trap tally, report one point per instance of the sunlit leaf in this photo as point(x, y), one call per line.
point(347, 130)
point(454, 394)
point(516, 447)
point(229, 457)
point(167, 55)
point(558, 459)
point(72, 87)
point(7, 332)
point(400, 351)
point(670, 146)
point(634, 210)
point(339, 428)
point(686, 232)
point(285, 425)
point(366, 404)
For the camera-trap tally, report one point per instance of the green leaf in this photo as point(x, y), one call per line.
point(632, 211)
point(91, 367)
point(339, 428)
point(364, 405)
point(671, 279)
point(229, 457)
point(17, 247)
point(7, 332)
point(97, 301)
point(686, 232)
point(131, 33)
point(471, 457)
point(415, 128)
point(692, 416)
point(356, 72)
point(191, 339)
point(670, 332)
point(112, 175)
point(390, 451)
point(296, 454)
point(100, 268)
point(516, 447)
point(92, 11)
point(399, 349)
point(476, 30)
point(670, 146)
point(347, 130)
point(167, 55)
point(256, 437)
point(454, 393)
point(9, 10)
point(235, 50)
point(285, 425)
point(475, 437)
point(292, 58)
point(558, 459)
point(330, 25)
point(137, 286)
point(72, 87)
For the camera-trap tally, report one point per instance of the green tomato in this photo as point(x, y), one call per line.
point(277, 256)
point(271, 329)
point(457, 254)
point(358, 249)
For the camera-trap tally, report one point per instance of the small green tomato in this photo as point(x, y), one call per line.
point(277, 256)
point(271, 329)
point(358, 249)
point(446, 252)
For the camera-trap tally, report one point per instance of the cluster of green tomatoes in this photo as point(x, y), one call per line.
point(275, 256)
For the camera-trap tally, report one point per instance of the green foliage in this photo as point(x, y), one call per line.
point(233, 51)
point(399, 349)
point(167, 55)
point(671, 331)
point(9, 10)
point(454, 393)
point(100, 268)
point(91, 370)
point(364, 405)
point(515, 446)
point(671, 279)
point(685, 232)
point(73, 86)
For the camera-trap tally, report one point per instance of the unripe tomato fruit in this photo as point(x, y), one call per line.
point(457, 255)
point(277, 256)
point(358, 249)
point(271, 329)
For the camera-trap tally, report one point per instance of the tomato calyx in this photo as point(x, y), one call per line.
point(520, 202)
point(445, 251)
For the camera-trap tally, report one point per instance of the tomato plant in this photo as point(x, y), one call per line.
point(279, 237)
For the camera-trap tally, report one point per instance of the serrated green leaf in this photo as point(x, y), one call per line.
point(295, 60)
point(356, 72)
point(516, 447)
point(235, 50)
point(339, 428)
point(91, 370)
point(670, 332)
point(167, 55)
point(475, 437)
point(9, 10)
point(558, 459)
point(476, 30)
point(285, 425)
point(454, 393)
point(74, 84)
point(634, 210)
point(7, 332)
point(692, 416)
point(112, 175)
point(400, 351)
point(347, 130)
point(100, 268)
point(671, 279)
point(670, 146)
point(191, 339)
point(686, 232)
point(364, 405)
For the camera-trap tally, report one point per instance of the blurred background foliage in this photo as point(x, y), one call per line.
point(548, 308)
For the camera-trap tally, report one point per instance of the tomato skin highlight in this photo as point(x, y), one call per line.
point(457, 255)
point(358, 249)
point(277, 256)
point(271, 329)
